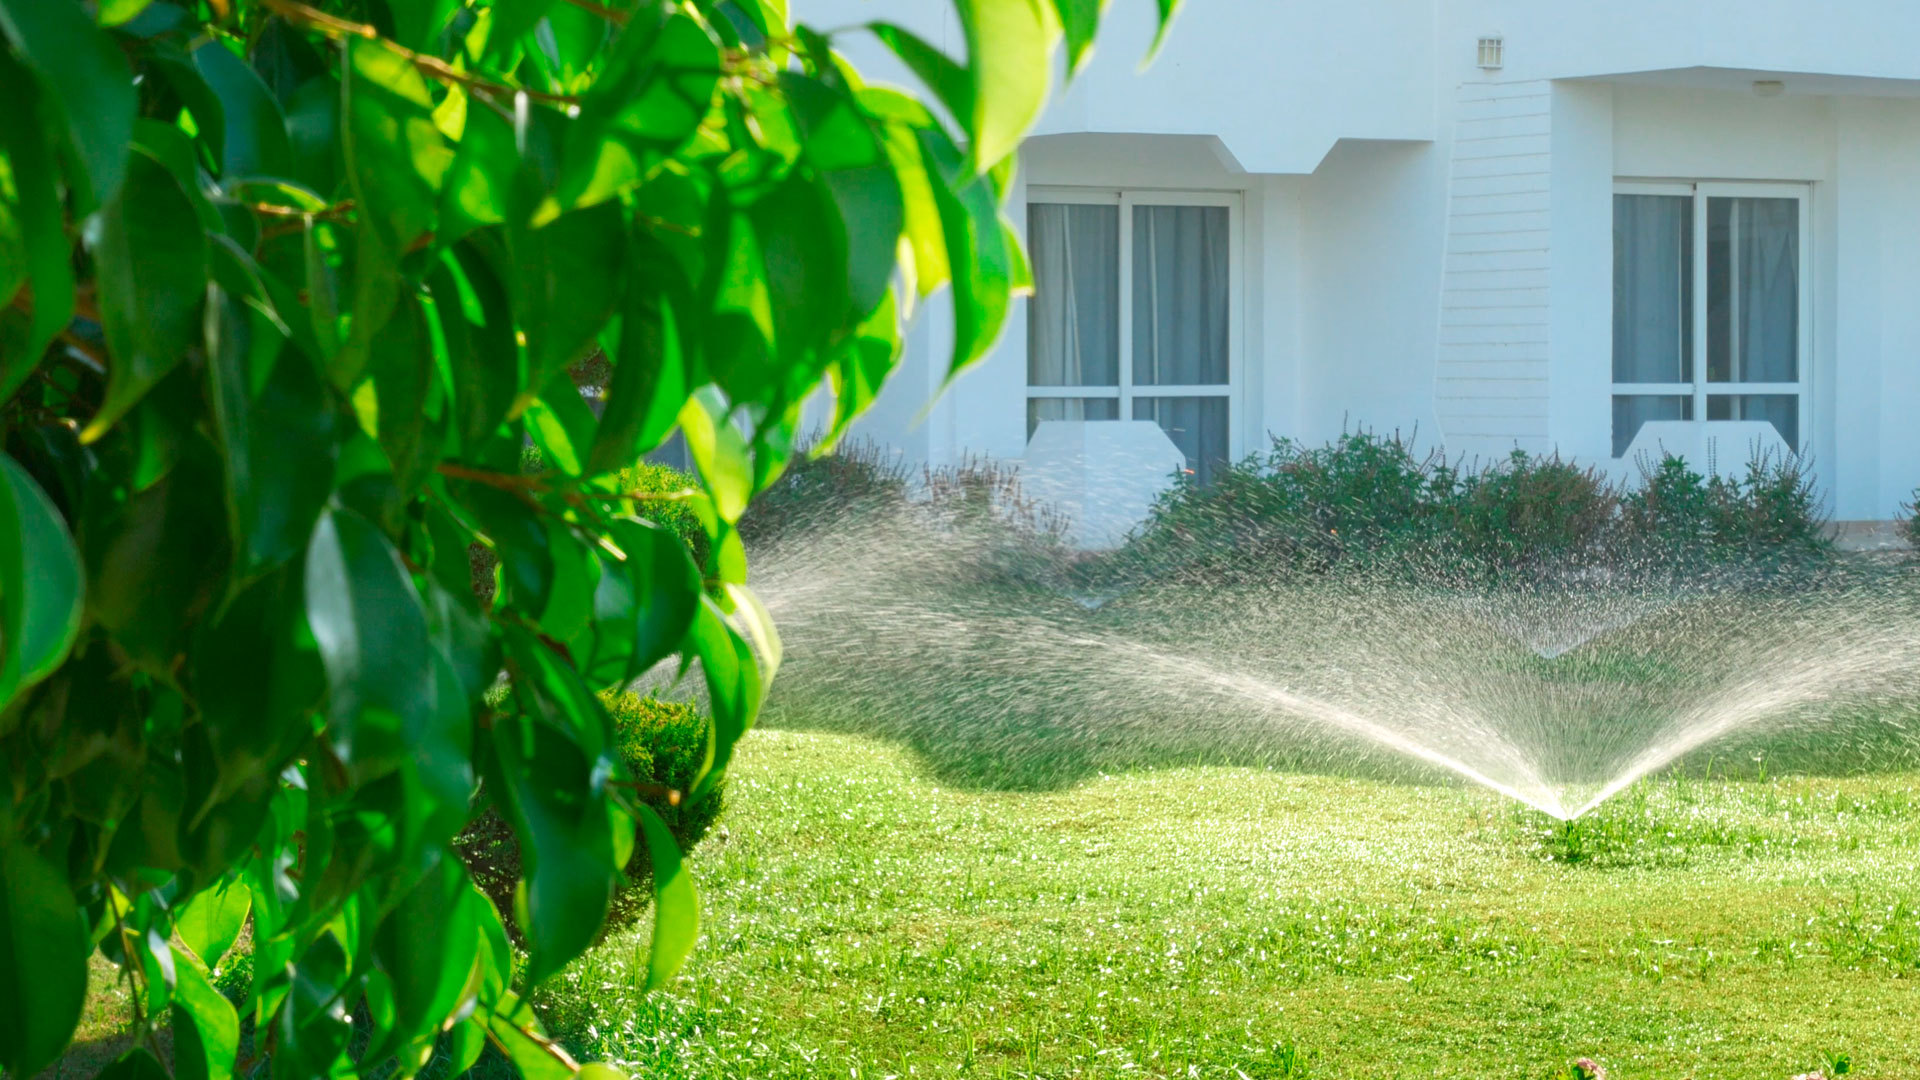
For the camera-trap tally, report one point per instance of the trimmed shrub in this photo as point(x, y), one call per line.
point(1367, 501)
point(663, 745)
point(1771, 514)
point(1532, 510)
point(1361, 497)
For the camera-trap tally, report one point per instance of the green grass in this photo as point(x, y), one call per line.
point(865, 920)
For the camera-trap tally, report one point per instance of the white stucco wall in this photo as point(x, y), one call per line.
point(1370, 165)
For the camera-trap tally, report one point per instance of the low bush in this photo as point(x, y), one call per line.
point(1910, 520)
point(974, 513)
point(1359, 498)
point(1531, 510)
point(1368, 501)
point(856, 477)
point(1771, 514)
point(663, 745)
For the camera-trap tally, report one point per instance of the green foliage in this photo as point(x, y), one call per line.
point(1367, 501)
point(663, 747)
point(1910, 520)
point(1771, 513)
point(286, 287)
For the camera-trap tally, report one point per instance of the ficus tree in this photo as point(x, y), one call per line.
point(288, 289)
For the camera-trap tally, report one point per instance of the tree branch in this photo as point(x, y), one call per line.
point(429, 65)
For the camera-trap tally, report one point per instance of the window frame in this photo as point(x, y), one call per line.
point(1699, 389)
point(1126, 393)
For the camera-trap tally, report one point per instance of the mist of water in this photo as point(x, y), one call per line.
point(1558, 693)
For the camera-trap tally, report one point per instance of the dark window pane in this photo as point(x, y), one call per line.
point(1197, 425)
point(1652, 288)
point(1067, 408)
point(1180, 297)
point(1632, 411)
point(1073, 320)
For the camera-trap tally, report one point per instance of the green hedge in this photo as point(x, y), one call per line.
point(1370, 501)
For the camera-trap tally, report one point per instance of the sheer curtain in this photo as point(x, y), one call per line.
point(1181, 325)
point(1753, 308)
point(1652, 308)
point(1073, 321)
point(1179, 295)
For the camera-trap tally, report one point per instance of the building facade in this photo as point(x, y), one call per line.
point(1597, 229)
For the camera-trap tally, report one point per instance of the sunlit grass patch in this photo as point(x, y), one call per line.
point(863, 919)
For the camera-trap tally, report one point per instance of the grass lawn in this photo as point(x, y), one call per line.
point(864, 920)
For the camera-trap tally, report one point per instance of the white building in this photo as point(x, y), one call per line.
point(1595, 227)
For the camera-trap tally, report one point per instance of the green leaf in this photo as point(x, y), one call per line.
point(1010, 53)
point(562, 425)
point(151, 266)
point(949, 81)
point(479, 188)
point(733, 685)
point(719, 451)
point(657, 86)
point(650, 377)
point(43, 959)
point(664, 590)
point(567, 282)
point(1080, 20)
point(261, 679)
point(396, 155)
point(417, 24)
point(597, 1070)
point(89, 95)
point(254, 131)
point(983, 270)
point(514, 1026)
point(211, 921)
point(116, 12)
point(575, 573)
point(1167, 10)
point(41, 583)
point(367, 618)
point(566, 841)
point(206, 1031)
point(429, 970)
point(676, 907)
point(49, 256)
point(136, 1064)
point(409, 401)
point(476, 325)
point(520, 538)
point(511, 20)
point(278, 426)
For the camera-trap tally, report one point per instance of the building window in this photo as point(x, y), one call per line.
point(1710, 307)
point(1134, 314)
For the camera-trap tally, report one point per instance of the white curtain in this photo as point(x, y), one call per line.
point(1652, 309)
point(1180, 297)
point(1073, 321)
point(1753, 308)
point(1753, 297)
point(1652, 288)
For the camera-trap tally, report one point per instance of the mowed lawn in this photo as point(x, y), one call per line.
point(861, 920)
